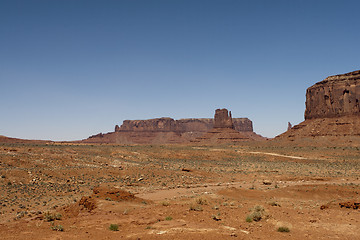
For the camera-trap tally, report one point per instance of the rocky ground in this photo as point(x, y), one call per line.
point(267, 190)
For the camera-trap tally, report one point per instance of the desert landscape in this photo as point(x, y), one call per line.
point(193, 178)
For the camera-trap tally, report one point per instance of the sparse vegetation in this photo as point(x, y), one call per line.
point(201, 201)
point(168, 218)
point(114, 227)
point(216, 217)
point(257, 213)
point(50, 183)
point(59, 228)
point(49, 217)
point(283, 229)
point(249, 218)
point(195, 208)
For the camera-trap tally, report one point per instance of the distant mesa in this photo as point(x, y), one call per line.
point(167, 130)
point(332, 108)
point(223, 130)
point(4, 139)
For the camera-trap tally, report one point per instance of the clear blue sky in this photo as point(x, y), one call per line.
point(72, 68)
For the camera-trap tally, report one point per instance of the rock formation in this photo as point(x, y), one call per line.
point(153, 125)
point(181, 125)
point(4, 139)
point(168, 130)
point(223, 119)
point(332, 109)
point(335, 96)
point(289, 126)
point(223, 130)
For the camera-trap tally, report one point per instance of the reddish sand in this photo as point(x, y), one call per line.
point(179, 191)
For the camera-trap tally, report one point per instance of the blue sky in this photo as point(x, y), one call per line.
point(72, 68)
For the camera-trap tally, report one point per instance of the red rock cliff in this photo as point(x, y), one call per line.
point(223, 119)
point(153, 125)
point(181, 125)
point(335, 96)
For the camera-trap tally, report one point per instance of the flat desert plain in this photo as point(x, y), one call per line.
point(255, 190)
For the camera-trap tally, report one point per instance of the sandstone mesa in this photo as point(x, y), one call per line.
point(167, 130)
point(332, 109)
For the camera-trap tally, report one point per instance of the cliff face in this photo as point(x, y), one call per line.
point(152, 125)
point(181, 125)
point(168, 130)
point(243, 124)
point(332, 109)
point(222, 131)
point(223, 119)
point(335, 96)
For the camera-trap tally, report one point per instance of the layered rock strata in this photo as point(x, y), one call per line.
point(335, 96)
point(181, 125)
point(168, 130)
point(223, 119)
point(223, 130)
point(332, 109)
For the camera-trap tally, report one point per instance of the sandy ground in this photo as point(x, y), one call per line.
point(179, 191)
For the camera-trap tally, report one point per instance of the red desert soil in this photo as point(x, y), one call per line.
point(180, 191)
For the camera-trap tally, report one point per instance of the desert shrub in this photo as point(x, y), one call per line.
point(257, 213)
point(114, 227)
point(49, 217)
point(283, 229)
point(216, 217)
point(58, 216)
point(249, 218)
point(195, 208)
point(201, 201)
point(57, 228)
point(165, 204)
point(168, 218)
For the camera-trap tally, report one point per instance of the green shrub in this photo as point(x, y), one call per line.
point(58, 228)
point(114, 227)
point(283, 229)
point(168, 218)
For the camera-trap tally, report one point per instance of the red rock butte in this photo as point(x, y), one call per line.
point(223, 119)
point(167, 130)
point(335, 96)
point(223, 130)
point(332, 109)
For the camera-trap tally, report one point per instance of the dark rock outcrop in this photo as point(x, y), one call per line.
point(335, 96)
